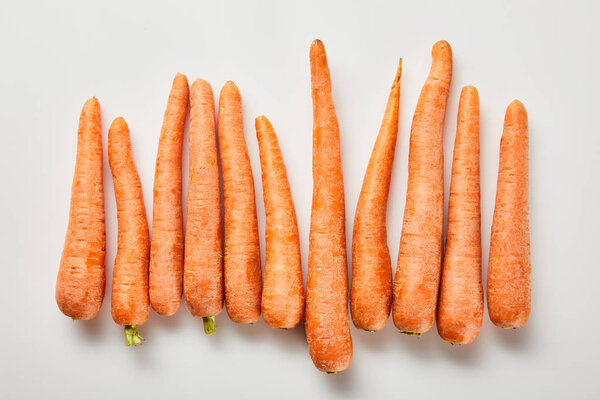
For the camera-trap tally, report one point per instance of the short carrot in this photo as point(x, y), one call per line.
point(129, 299)
point(242, 269)
point(371, 294)
point(327, 322)
point(460, 304)
point(166, 246)
point(420, 256)
point(283, 291)
point(80, 282)
point(203, 264)
point(509, 269)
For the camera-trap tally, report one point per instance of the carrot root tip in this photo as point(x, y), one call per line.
point(210, 324)
point(411, 333)
point(132, 337)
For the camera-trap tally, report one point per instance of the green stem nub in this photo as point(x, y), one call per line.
point(411, 333)
point(132, 337)
point(331, 372)
point(210, 325)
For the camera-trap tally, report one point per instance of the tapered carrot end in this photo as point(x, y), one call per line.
point(261, 123)
point(230, 88)
point(92, 104)
point(441, 49)
point(119, 123)
point(200, 83)
point(516, 114)
point(180, 79)
point(317, 53)
point(398, 73)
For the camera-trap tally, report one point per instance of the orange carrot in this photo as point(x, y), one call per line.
point(420, 256)
point(129, 300)
point(327, 323)
point(242, 253)
point(166, 246)
point(203, 265)
point(283, 292)
point(460, 305)
point(509, 270)
point(371, 294)
point(80, 282)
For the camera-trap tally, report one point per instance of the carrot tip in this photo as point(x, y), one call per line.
point(210, 324)
point(411, 333)
point(132, 337)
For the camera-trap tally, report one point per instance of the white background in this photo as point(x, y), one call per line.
point(57, 54)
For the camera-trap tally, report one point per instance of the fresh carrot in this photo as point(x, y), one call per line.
point(420, 256)
point(80, 282)
point(371, 294)
point(283, 291)
point(460, 304)
point(241, 269)
point(129, 300)
point(166, 246)
point(327, 323)
point(509, 270)
point(203, 265)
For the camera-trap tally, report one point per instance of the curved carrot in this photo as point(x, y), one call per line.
point(460, 305)
point(327, 323)
point(509, 269)
point(166, 246)
point(129, 299)
point(203, 265)
point(283, 291)
point(80, 281)
point(420, 256)
point(371, 294)
point(242, 253)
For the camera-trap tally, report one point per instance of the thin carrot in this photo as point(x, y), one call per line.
point(371, 294)
point(203, 265)
point(129, 300)
point(80, 282)
point(420, 256)
point(166, 246)
point(509, 270)
point(242, 253)
point(283, 291)
point(327, 323)
point(460, 304)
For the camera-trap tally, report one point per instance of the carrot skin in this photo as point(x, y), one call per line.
point(371, 293)
point(80, 281)
point(167, 241)
point(327, 321)
point(460, 304)
point(509, 269)
point(420, 256)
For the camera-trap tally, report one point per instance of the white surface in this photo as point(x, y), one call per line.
point(54, 56)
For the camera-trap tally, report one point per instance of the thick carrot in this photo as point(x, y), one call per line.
point(129, 300)
point(327, 323)
point(371, 294)
point(460, 304)
point(80, 282)
point(242, 253)
point(509, 269)
point(166, 246)
point(420, 256)
point(203, 265)
point(283, 291)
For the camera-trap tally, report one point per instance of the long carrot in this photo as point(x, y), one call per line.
point(460, 304)
point(80, 282)
point(283, 291)
point(371, 294)
point(129, 300)
point(242, 253)
point(327, 323)
point(203, 265)
point(166, 246)
point(509, 270)
point(420, 256)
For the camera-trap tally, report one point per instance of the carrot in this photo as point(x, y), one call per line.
point(419, 259)
point(129, 300)
point(283, 292)
point(166, 246)
point(327, 323)
point(509, 270)
point(371, 294)
point(80, 281)
point(460, 305)
point(241, 269)
point(203, 265)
